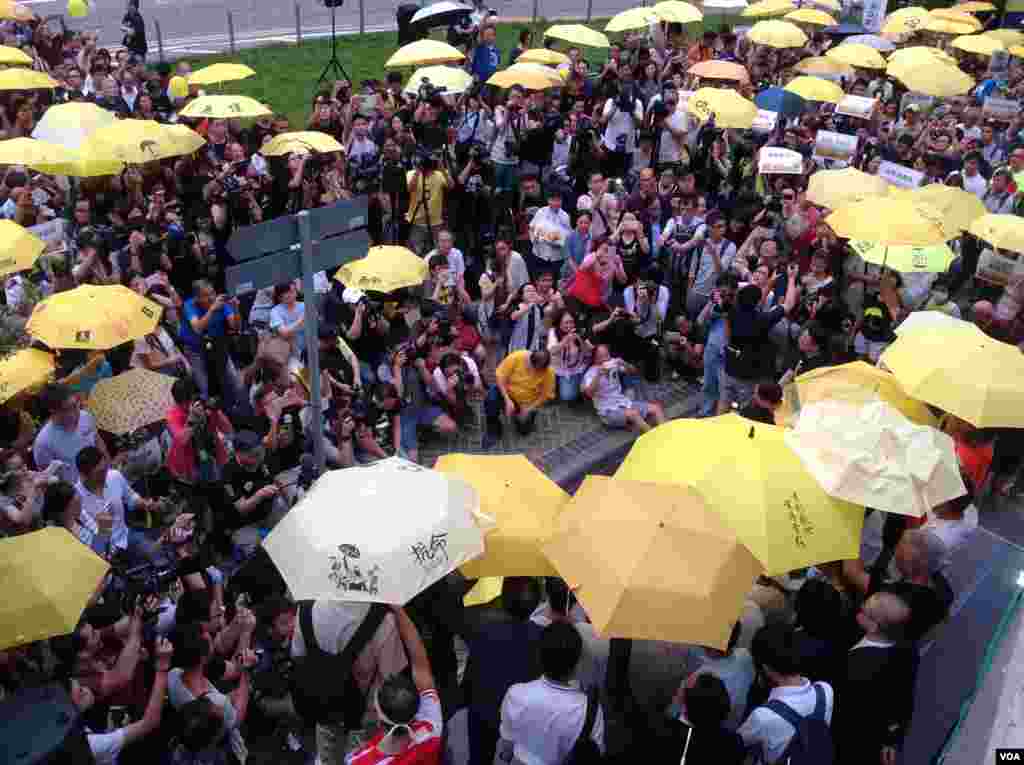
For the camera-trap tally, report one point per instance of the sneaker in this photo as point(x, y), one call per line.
point(293, 743)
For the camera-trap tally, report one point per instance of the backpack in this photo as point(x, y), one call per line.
point(586, 751)
point(323, 688)
point(812, 742)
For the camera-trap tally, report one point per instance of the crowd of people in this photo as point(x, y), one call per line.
point(581, 243)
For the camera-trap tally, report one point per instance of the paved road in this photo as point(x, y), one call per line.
point(201, 26)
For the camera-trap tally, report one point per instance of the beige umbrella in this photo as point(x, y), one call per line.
point(131, 400)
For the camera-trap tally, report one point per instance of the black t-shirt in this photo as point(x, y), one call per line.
point(289, 437)
point(135, 39)
point(750, 354)
point(240, 483)
point(370, 345)
point(334, 361)
point(758, 413)
point(431, 136)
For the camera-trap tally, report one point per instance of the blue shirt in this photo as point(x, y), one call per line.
point(577, 246)
point(217, 327)
point(486, 60)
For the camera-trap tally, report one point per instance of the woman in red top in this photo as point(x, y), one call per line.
point(183, 460)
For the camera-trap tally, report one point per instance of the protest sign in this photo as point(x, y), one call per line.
point(774, 160)
point(921, 100)
point(860, 107)
point(1002, 109)
point(900, 175)
point(765, 121)
point(834, 146)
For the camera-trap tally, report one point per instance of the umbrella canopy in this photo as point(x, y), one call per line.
point(777, 34)
point(759, 487)
point(856, 55)
point(522, 501)
point(93, 317)
point(224, 107)
point(821, 66)
point(1007, 36)
point(19, 248)
point(301, 142)
point(678, 12)
point(652, 561)
point(1017, 51)
point(15, 11)
point(931, 367)
point(832, 5)
point(529, 76)
point(578, 35)
point(69, 124)
point(721, 70)
point(811, 16)
point(131, 400)
point(924, 55)
point(974, 6)
point(140, 141)
point(441, 14)
point(447, 79)
point(1003, 231)
point(404, 528)
point(905, 21)
point(936, 79)
point(22, 370)
point(980, 45)
point(930, 321)
point(214, 73)
point(53, 577)
point(815, 89)
point(425, 53)
point(768, 8)
point(833, 189)
point(31, 152)
point(781, 101)
point(384, 269)
point(949, 27)
point(26, 79)
point(873, 455)
point(542, 56)
point(724, 6)
point(890, 221)
point(933, 259)
point(957, 17)
point(731, 110)
point(634, 18)
point(877, 42)
point(14, 56)
point(856, 383)
point(959, 208)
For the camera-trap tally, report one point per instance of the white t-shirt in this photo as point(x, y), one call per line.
point(976, 184)
point(441, 382)
point(543, 719)
point(106, 747)
point(670, 150)
point(53, 443)
point(953, 533)
point(620, 132)
point(608, 396)
point(117, 499)
point(767, 734)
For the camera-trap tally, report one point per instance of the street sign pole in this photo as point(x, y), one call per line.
point(312, 329)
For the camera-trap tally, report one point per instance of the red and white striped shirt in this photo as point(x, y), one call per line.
point(423, 749)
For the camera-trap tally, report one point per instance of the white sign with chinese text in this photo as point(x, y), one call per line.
point(860, 107)
point(834, 146)
point(900, 175)
point(774, 160)
point(765, 121)
point(1002, 109)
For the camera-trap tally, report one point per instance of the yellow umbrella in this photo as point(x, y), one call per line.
point(933, 259)
point(542, 56)
point(832, 5)
point(974, 6)
point(758, 486)
point(634, 18)
point(15, 11)
point(856, 382)
point(938, 80)
point(923, 55)
point(1003, 231)
point(577, 34)
point(384, 269)
point(890, 221)
point(856, 54)
point(1017, 51)
point(768, 8)
point(943, 26)
point(652, 562)
point(70, 124)
point(131, 400)
point(777, 34)
point(811, 16)
point(720, 70)
point(26, 79)
point(425, 53)
point(833, 189)
point(678, 12)
point(905, 21)
point(52, 577)
point(731, 110)
point(19, 248)
point(959, 208)
point(485, 590)
point(32, 153)
point(957, 17)
point(979, 45)
point(177, 87)
point(214, 73)
point(180, 140)
point(815, 89)
point(448, 78)
point(822, 66)
point(93, 317)
point(529, 76)
point(224, 107)
point(139, 141)
point(521, 500)
point(961, 371)
point(24, 369)
point(1007, 36)
point(14, 56)
point(300, 142)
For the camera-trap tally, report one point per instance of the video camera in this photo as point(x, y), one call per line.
point(427, 91)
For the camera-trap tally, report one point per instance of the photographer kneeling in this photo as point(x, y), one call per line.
point(525, 382)
point(253, 500)
point(413, 381)
point(603, 385)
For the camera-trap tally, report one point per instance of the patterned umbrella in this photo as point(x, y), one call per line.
point(131, 400)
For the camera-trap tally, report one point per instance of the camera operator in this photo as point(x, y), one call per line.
point(413, 381)
point(207, 317)
point(621, 116)
point(366, 331)
point(197, 433)
point(252, 498)
point(430, 120)
point(474, 128)
point(509, 123)
point(364, 163)
point(474, 211)
point(428, 185)
point(386, 224)
point(456, 379)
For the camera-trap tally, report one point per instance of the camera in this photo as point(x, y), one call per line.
point(426, 162)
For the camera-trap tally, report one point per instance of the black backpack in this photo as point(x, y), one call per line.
point(586, 751)
point(323, 688)
point(812, 742)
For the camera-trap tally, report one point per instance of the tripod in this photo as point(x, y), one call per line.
point(333, 64)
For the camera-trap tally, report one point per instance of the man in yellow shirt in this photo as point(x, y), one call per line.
point(427, 185)
point(526, 382)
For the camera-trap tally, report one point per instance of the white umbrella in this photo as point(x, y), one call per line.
point(440, 14)
point(872, 41)
point(71, 123)
point(380, 533)
point(874, 456)
point(932, 321)
point(724, 6)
